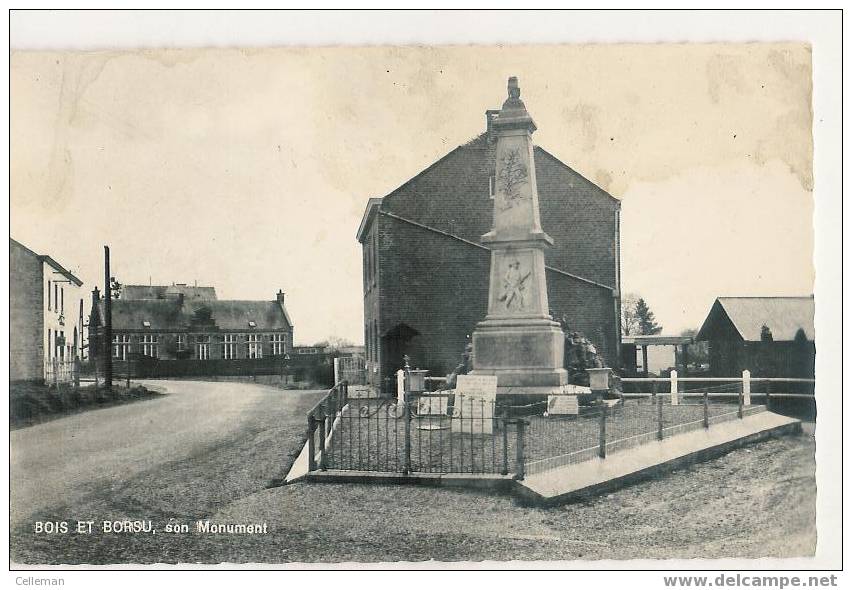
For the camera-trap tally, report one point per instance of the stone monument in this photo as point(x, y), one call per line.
point(518, 341)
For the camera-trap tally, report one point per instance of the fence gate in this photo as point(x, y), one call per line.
point(351, 369)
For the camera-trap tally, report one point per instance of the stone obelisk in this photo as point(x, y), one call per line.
point(518, 341)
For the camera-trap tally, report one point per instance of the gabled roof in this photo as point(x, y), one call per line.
point(236, 315)
point(367, 219)
point(451, 196)
point(130, 314)
point(169, 314)
point(45, 258)
point(784, 316)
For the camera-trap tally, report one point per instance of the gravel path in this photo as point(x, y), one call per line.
point(754, 502)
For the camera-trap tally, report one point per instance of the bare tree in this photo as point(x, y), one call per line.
point(629, 317)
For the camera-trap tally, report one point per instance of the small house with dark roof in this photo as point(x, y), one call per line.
point(195, 327)
point(769, 336)
point(45, 316)
point(426, 271)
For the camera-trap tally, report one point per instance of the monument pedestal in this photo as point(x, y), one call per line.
point(521, 353)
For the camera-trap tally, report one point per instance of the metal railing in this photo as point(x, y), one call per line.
point(603, 429)
point(425, 433)
point(439, 432)
point(62, 371)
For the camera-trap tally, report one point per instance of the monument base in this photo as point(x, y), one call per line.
point(521, 353)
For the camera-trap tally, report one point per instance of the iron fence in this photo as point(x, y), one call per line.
point(425, 433)
point(58, 371)
point(439, 432)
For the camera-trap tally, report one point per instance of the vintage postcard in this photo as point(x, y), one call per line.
point(418, 305)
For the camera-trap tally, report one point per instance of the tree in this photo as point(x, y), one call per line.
point(645, 317)
point(699, 351)
point(629, 321)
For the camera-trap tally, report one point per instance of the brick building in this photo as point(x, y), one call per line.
point(45, 315)
point(426, 273)
point(192, 326)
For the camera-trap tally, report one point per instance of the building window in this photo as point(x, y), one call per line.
point(202, 347)
point(120, 346)
point(255, 347)
point(149, 345)
point(56, 295)
point(49, 349)
point(180, 340)
point(279, 344)
point(49, 295)
point(60, 345)
point(62, 300)
point(229, 346)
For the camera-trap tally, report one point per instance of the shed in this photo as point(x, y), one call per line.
point(769, 336)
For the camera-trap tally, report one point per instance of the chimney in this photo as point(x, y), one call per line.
point(490, 115)
point(279, 297)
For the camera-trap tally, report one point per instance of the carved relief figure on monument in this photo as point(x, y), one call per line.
point(515, 287)
point(511, 176)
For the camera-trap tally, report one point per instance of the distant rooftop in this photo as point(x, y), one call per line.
point(148, 292)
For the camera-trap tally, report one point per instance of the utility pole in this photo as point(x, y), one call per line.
point(82, 345)
point(107, 323)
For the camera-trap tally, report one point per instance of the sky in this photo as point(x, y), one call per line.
point(249, 169)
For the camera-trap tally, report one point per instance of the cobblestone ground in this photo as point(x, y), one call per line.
point(754, 502)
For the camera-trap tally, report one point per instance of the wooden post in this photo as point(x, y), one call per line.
point(602, 428)
point(746, 387)
point(768, 395)
point(56, 372)
point(323, 423)
point(76, 373)
point(312, 460)
point(336, 361)
point(673, 390)
point(406, 469)
point(660, 418)
point(520, 457)
point(740, 400)
point(706, 410)
point(645, 360)
point(400, 386)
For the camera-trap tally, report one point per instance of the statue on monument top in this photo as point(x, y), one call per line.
point(514, 112)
